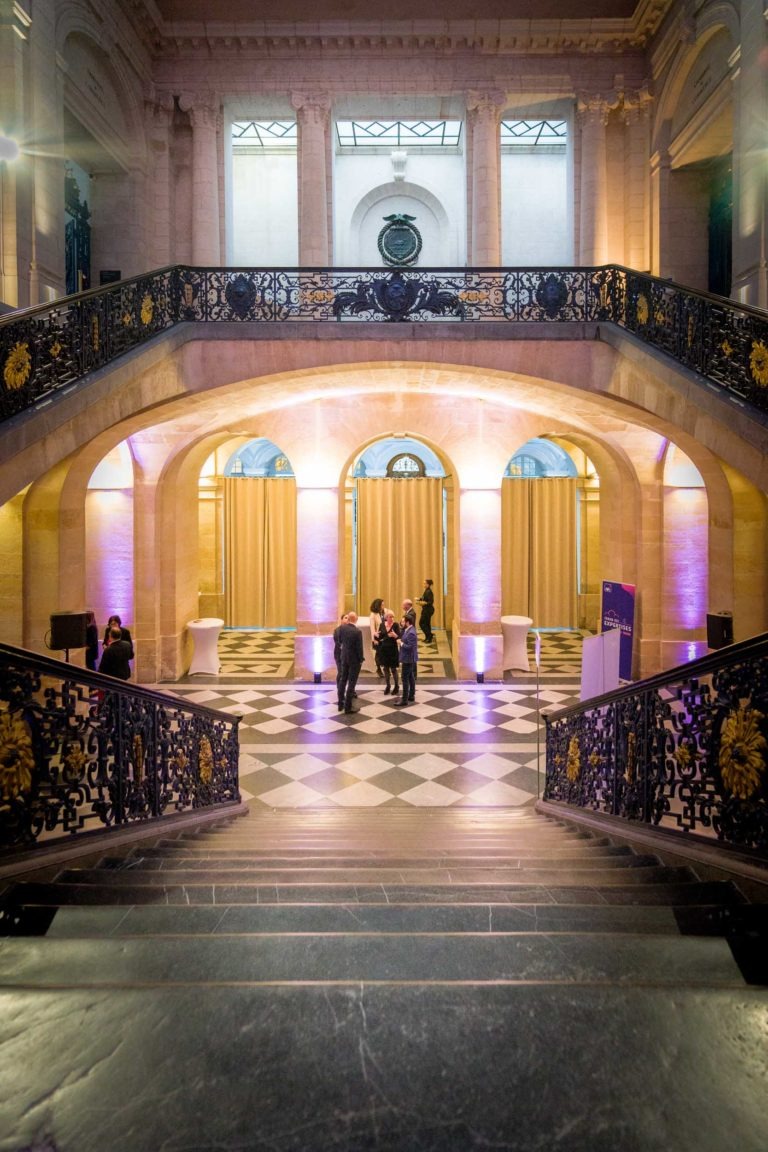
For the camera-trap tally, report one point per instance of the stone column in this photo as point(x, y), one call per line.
point(313, 116)
point(317, 581)
point(637, 230)
point(479, 626)
point(206, 222)
point(592, 112)
point(750, 180)
point(484, 116)
point(160, 118)
point(659, 190)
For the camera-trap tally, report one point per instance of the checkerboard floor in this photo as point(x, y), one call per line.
point(458, 745)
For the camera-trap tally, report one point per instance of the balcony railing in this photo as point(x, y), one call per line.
point(81, 752)
point(685, 752)
point(46, 349)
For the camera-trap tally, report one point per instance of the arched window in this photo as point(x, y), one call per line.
point(404, 466)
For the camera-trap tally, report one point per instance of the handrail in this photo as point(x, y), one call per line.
point(685, 751)
point(81, 752)
point(53, 346)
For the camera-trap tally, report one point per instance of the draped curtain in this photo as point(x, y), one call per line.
point(538, 568)
point(399, 541)
point(260, 543)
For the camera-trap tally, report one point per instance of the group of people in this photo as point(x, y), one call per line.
point(117, 647)
point(395, 645)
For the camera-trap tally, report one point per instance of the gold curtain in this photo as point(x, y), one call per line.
point(399, 542)
point(260, 533)
point(539, 551)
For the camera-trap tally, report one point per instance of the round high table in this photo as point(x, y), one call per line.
point(205, 638)
point(514, 631)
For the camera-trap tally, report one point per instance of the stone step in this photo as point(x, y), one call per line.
point(564, 958)
point(433, 1068)
point(693, 892)
point(190, 920)
point(310, 858)
point(358, 865)
point(384, 878)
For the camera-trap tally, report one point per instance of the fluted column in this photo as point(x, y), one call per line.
point(313, 117)
point(750, 180)
point(593, 215)
point(206, 221)
point(484, 115)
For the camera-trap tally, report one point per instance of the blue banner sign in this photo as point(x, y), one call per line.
point(618, 611)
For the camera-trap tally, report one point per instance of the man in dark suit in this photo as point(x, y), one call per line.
point(116, 656)
point(351, 654)
point(337, 652)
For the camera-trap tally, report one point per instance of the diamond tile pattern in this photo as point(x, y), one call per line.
point(457, 745)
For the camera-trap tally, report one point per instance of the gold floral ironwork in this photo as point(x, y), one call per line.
point(95, 333)
point(55, 350)
point(727, 348)
point(127, 319)
point(17, 759)
point(205, 761)
point(758, 362)
point(74, 762)
point(686, 755)
point(18, 366)
point(138, 759)
point(147, 309)
point(742, 752)
point(642, 309)
point(631, 768)
point(573, 767)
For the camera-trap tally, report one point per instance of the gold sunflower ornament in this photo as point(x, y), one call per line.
point(742, 752)
point(758, 362)
point(147, 310)
point(205, 761)
point(17, 760)
point(18, 366)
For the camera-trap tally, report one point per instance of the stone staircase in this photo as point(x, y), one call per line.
point(436, 980)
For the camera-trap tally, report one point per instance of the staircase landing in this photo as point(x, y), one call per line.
point(424, 980)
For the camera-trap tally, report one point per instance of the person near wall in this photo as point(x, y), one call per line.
point(388, 655)
point(427, 601)
point(116, 657)
point(116, 622)
point(351, 650)
point(409, 656)
point(91, 641)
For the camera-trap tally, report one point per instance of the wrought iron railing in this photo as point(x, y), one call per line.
point(45, 349)
point(82, 752)
point(685, 751)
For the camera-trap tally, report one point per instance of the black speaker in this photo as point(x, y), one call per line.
point(719, 629)
point(67, 630)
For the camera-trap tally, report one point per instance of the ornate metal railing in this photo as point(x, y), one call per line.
point(685, 751)
point(45, 349)
point(81, 752)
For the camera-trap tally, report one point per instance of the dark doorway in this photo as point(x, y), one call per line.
point(720, 227)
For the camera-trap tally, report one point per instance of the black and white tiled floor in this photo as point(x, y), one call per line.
point(458, 745)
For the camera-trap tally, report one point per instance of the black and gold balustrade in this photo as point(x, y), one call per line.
point(685, 751)
point(81, 752)
point(54, 346)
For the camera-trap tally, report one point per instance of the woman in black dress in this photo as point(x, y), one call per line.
point(387, 652)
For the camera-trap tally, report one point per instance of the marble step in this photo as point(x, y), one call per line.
point(601, 848)
point(32, 893)
point(570, 958)
point(160, 920)
point(356, 865)
point(645, 872)
point(429, 1068)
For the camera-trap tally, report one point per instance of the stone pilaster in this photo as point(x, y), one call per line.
point(592, 113)
point(159, 121)
point(637, 195)
point(206, 222)
point(313, 117)
point(484, 116)
point(317, 581)
point(750, 179)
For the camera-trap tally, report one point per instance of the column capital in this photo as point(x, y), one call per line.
point(485, 105)
point(594, 107)
point(159, 111)
point(311, 107)
point(202, 108)
point(636, 105)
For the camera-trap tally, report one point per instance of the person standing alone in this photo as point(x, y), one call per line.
point(351, 653)
point(427, 601)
